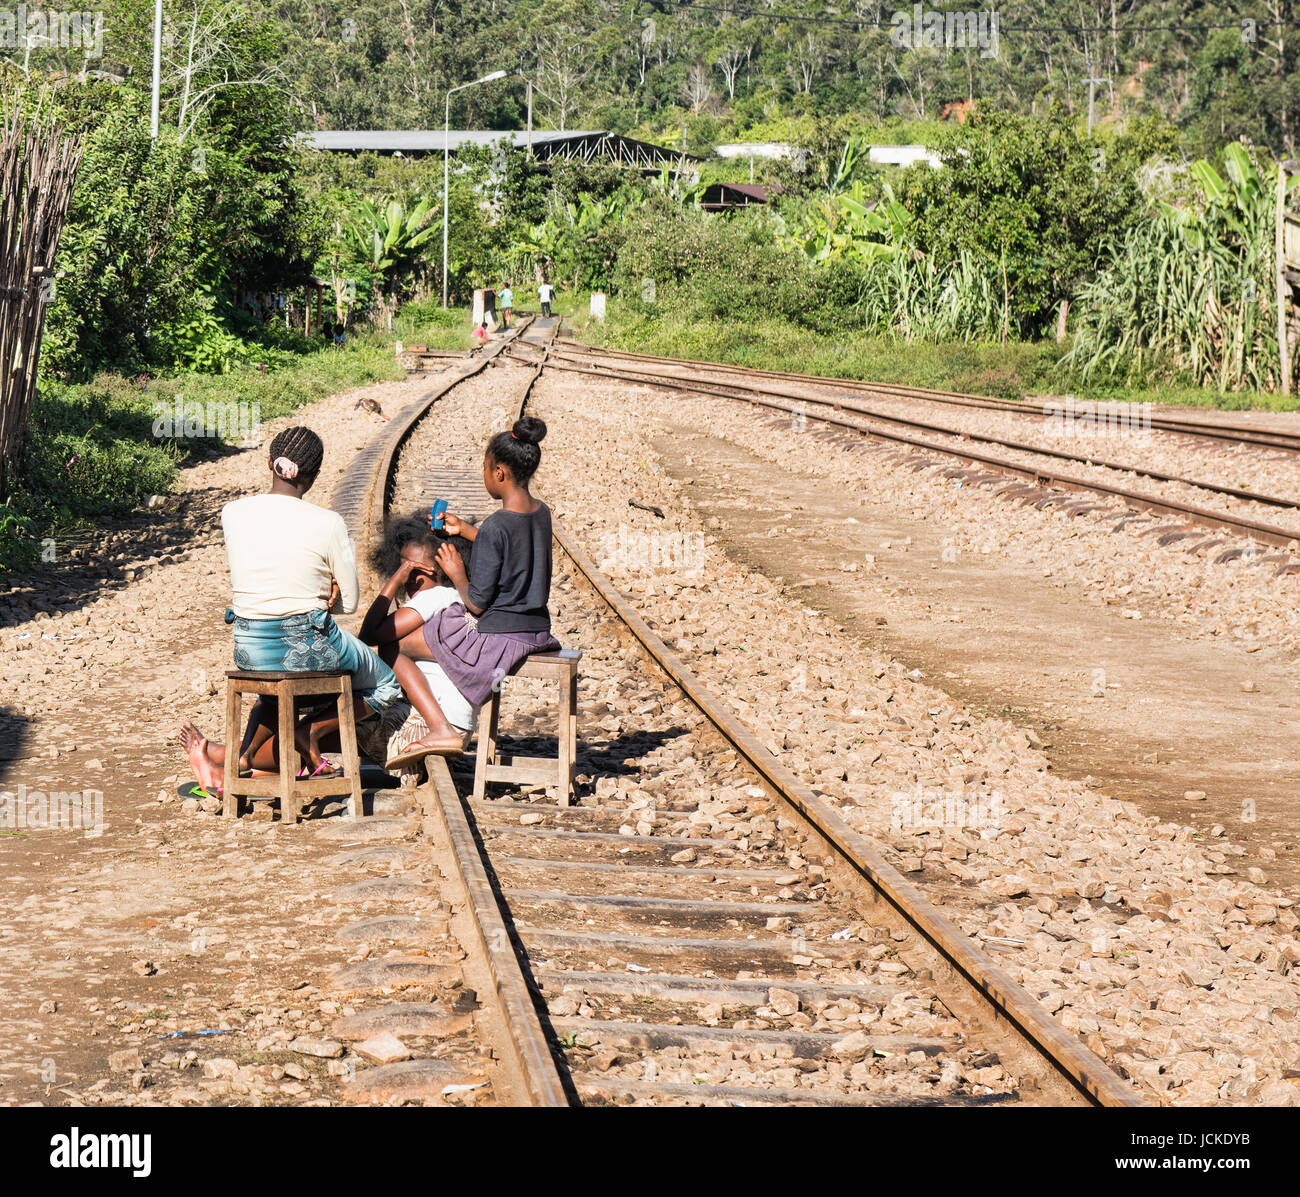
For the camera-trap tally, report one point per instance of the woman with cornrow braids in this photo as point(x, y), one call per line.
point(291, 563)
point(502, 616)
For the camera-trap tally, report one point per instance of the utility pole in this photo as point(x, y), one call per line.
point(1283, 288)
point(532, 87)
point(157, 69)
point(1092, 82)
point(446, 158)
point(530, 118)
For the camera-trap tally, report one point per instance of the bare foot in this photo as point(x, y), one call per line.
point(205, 771)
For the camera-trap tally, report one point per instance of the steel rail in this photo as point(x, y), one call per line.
point(1268, 533)
point(1063, 1053)
point(1020, 446)
point(531, 1057)
point(1082, 1070)
point(526, 1048)
point(1233, 433)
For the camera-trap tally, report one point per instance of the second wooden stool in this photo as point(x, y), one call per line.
point(535, 770)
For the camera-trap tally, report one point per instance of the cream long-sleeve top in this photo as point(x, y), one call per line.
point(282, 554)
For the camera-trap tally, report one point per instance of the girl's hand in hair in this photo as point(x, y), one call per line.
point(453, 525)
point(451, 565)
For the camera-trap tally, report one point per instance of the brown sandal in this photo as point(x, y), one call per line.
point(416, 752)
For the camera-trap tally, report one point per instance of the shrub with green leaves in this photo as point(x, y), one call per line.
point(1187, 290)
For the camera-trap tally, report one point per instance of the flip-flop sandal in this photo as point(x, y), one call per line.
point(413, 756)
point(192, 789)
point(323, 772)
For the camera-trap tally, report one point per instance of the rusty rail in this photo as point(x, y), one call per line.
point(1256, 529)
point(1233, 433)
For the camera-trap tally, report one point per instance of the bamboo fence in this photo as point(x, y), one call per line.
point(38, 169)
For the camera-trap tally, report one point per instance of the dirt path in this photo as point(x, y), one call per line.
point(178, 958)
point(1132, 704)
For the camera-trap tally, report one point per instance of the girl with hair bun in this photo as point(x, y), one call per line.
point(502, 616)
point(291, 562)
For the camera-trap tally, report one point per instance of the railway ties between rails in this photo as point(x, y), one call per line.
point(1222, 431)
point(702, 926)
point(1019, 477)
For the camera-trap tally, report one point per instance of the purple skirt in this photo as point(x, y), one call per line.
point(476, 662)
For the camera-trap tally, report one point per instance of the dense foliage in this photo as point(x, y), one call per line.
point(727, 70)
point(1041, 249)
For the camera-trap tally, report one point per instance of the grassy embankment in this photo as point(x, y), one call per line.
point(1017, 370)
point(99, 449)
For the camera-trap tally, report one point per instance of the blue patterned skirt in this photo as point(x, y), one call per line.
point(309, 642)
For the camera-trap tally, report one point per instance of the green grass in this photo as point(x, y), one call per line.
point(368, 358)
point(1016, 370)
point(427, 324)
point(97, 449)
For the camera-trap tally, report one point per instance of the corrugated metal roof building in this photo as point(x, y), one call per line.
point(586, 145)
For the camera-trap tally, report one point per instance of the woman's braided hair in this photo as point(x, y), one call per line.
point(297, 453)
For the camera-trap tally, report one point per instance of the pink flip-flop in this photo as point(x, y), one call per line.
point(323, 771)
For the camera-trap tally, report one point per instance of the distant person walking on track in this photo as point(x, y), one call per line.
point(546, 293)
point(507, 304)
point(502, 616)
point(290, 562)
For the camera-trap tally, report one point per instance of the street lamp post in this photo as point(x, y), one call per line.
point(446, 176)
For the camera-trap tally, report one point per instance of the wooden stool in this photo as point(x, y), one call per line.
point(286, 688)
point(536, 770)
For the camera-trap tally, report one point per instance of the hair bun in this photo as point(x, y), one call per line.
point(529, 429)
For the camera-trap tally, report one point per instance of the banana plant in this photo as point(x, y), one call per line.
point(847, 226)
point(389, 240)
point(1191, 285)
point(854, 152)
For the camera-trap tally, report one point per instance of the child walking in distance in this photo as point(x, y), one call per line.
point(502, 616)
point(290, 563)
point(507, 305)
point(546, 293)
point(437, 713)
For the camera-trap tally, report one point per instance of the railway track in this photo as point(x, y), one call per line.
point(988, 469)
point(709, 929)
point(1211, 430)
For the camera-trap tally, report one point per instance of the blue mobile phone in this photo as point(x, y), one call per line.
point(435, 516)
